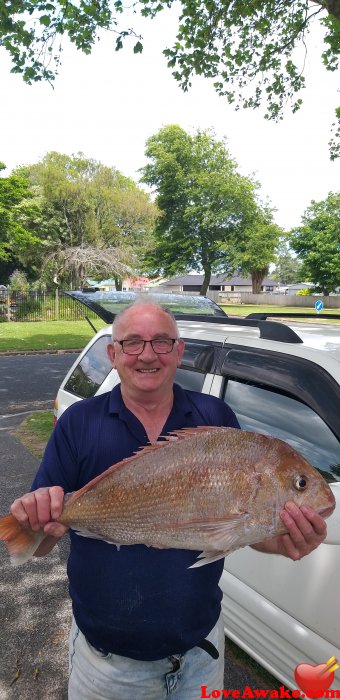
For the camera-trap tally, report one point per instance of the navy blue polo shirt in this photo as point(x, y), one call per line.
point(136, 601)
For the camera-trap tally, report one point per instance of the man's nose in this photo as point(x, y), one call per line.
point(148, 350)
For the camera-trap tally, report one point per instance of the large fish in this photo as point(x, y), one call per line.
point(208, 489)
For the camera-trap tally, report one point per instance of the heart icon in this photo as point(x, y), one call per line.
point(315, 680)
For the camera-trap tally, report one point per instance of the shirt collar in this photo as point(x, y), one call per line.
point(181, 406)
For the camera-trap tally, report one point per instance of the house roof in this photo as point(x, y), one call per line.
point(197, 280)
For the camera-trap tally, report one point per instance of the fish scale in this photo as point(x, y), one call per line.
point(210, 489)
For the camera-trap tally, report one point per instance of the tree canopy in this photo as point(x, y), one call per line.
point(16, 200)
point(205, 204)
point(317, 242)
point(259, 246)
point(79, 217)
point(249, 49)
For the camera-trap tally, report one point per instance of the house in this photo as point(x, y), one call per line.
point(219, 283)
point(129, 284)
point(298, 286)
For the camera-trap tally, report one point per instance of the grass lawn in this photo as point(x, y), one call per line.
point(46, 335)
point(35, 431)
point(244, 310)
point(73, 335)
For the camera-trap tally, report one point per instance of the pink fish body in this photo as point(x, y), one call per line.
point(208, 489)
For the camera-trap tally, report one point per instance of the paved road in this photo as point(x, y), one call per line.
point(35, 608)
point(30, 382)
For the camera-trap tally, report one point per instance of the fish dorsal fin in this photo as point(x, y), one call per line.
point(114, 468)
point(184, 433)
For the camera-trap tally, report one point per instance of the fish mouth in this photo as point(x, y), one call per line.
point(326, 512)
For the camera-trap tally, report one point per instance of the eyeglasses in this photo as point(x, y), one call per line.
point(135, 346)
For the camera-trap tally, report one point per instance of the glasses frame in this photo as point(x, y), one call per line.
point(141, 340)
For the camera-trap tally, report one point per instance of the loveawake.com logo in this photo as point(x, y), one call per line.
point(256, 693)
point(313, 681)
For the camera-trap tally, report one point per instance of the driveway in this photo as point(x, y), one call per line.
point(35, 609)
point(30, 382)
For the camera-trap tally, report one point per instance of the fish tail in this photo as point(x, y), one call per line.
point(21, 541)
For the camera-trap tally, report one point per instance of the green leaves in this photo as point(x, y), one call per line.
point(85, 216)
point(317, 243)
point(138, 47)
point(247, 48)
point(205, 204)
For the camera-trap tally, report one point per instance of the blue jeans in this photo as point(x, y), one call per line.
point(94, 676)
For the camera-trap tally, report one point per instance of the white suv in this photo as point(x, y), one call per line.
point(280, 612)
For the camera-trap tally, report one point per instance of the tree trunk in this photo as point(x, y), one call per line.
point(118, 283)
point(332, 7)
point(206, 281)
point(256, 278)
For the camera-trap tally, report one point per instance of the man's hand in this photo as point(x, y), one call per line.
point(306, 530)
point(38, 508)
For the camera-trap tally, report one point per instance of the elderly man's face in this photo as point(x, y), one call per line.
point(147, 371)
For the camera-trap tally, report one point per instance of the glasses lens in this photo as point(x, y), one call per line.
point(133, 347)
point(161, 346)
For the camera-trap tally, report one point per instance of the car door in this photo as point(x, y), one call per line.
point(284, 612)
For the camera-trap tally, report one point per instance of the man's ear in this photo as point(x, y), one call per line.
point(180, 351)
point(111, 353)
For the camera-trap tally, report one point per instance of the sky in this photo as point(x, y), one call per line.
point(107, 104)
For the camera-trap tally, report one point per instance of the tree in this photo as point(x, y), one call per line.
point(18, 282)
point(86, 205)
point(258, 248)
point(248, 48)
point(317, 242)
point(205, 204)
point(78, 263)
point(287, 266)
point(15, 236)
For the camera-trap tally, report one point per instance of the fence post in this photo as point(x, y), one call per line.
point(8, 312)
point(57, 303)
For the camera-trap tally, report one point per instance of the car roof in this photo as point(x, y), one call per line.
point(219, 330)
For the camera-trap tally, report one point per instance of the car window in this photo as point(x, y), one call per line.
point(108, 304)
point(89, 374)
point(273, 413)
point(190, 380)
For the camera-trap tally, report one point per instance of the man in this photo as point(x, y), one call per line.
point(145, 625)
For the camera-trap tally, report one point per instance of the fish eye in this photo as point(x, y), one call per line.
point(300, 482)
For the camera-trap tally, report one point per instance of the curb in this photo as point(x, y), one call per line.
point(4, 353)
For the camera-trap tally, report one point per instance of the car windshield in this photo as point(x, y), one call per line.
point(108, 304)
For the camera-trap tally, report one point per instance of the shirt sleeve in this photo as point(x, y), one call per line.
point(59, 466)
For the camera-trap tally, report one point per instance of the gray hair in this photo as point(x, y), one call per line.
point(143, 299)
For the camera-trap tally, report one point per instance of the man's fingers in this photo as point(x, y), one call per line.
point(39, 507)
point(289, 549)
point(55, 529)
point(24, 510)
point(306, 530)
point(317, 520)
point(57, 501)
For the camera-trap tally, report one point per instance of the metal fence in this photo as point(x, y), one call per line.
point(41, 306)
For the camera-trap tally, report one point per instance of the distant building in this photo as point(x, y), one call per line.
point(218, 283)
point(298, 286)
point(129, 284)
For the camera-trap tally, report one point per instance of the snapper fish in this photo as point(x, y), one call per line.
point(210, 489)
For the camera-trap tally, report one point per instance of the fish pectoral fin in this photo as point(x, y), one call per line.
point(225, 536)
point(221, 535)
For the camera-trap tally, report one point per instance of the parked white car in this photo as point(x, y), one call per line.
point(280, 612)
